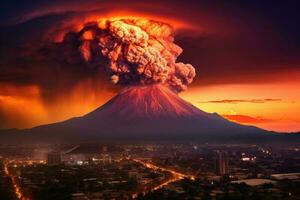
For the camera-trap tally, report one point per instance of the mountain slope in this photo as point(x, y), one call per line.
point(145, 112)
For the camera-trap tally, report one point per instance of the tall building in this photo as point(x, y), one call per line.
point(221, 163)
point(54, 158)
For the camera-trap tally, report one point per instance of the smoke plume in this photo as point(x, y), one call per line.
point(138, 52)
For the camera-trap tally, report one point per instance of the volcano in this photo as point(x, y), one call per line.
point(145, 112)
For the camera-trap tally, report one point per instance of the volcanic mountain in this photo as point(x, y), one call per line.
point(144, 112)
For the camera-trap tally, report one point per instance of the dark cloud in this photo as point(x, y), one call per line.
point(247, 119)
point(26, 58)
point(235, 101)
point(220, 60)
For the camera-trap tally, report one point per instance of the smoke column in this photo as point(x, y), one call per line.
point(138, 52)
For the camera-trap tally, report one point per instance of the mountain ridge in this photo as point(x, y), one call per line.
point(146, 113)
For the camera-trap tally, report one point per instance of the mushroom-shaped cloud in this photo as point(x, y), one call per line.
point(139, 51)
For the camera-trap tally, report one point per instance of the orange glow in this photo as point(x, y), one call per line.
point(76, 24)
point(21, 105)
point(116, 15)
point(272, 106)
point(86, 96)
point(25, 107)
point(175, 176)
point(14, 180)
point(88, 35)
point(247, 119)
point(163, 30)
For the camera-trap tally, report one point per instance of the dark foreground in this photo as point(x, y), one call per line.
point(150, 171)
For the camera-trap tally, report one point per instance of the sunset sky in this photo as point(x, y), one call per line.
point(246, 55)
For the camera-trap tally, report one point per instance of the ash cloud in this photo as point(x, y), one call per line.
point(138, 51)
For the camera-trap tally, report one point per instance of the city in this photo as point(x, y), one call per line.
point(150, 171)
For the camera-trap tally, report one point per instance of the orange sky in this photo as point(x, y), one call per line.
point(272, 106)
point(24, 107)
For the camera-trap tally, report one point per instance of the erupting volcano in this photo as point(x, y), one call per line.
point(145, 112)
point(140, 55)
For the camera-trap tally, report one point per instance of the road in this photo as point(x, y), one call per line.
point(175, 176)
point(14, 180)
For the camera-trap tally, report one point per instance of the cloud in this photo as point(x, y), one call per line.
point(235, 101)
point(140, 51)
point(244, 119)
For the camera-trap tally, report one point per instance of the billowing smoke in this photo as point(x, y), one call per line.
point(138, 52)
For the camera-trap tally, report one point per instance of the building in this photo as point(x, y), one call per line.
point(54, 158)
point(255, 181)
point(221, 163)
point(290, 176)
